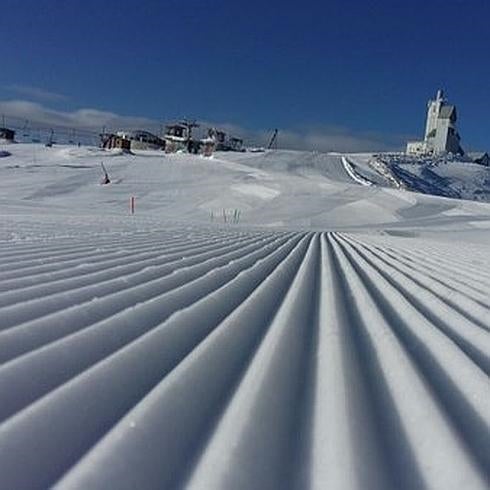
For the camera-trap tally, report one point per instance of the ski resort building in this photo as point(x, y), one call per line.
point(223, 142)
point(7, 135)
point(441, 135)
point(142, 140)
point(177, 137)
point(110, 141)
point(132, 140)
point(219, 137)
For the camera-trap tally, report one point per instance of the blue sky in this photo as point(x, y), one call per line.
point(349, 71)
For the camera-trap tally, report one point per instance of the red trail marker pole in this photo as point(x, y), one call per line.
point(131, 205)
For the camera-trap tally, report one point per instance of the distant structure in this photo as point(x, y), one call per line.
point(7, 135)
point(441, 135)
point(178, 137)
point(223, 142)
point(219, 138)
point(142, 140)
point(131, 140)
point(110, 141)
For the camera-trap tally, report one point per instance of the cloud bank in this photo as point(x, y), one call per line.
point(36, 93)
point(93, 119)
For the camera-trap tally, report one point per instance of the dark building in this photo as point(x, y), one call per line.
point(142, 140)
point(110, 141)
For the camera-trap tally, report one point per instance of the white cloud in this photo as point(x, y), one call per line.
point(80, 119)
point(338, 139)
point(319, 138)
point(36, 93)
point(323, 139)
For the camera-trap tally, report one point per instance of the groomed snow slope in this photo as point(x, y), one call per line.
point(169, 350)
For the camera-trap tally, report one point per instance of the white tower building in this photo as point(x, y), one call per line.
point(433, 110)
point(441, 135)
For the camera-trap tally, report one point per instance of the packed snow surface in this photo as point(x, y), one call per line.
point(262, 321)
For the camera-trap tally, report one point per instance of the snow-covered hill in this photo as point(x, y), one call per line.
point(262, 321)
point(440, 176)
point(276, 188)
